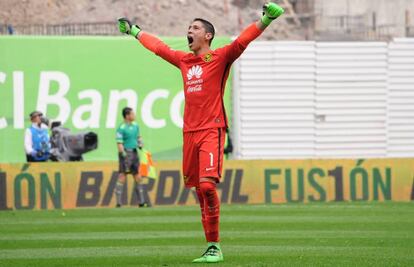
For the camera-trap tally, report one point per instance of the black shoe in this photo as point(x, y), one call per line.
point(118, 205)
point(143, 205)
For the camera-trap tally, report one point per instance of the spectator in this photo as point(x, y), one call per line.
point(10, 29)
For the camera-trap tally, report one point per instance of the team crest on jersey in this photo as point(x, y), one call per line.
point(194, 71)
point(208, 57)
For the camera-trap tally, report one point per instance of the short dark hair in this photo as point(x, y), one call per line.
point(126, 111)
point(35, 113)
point(208, 26)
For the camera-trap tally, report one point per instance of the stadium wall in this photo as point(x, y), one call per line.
point(324, 100)
point(87, 184)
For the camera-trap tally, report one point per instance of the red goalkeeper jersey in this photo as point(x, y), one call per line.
point(204, 78)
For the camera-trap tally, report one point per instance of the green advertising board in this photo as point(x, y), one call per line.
point(84, 82)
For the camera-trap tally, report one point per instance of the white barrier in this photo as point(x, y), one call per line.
point(324, 100)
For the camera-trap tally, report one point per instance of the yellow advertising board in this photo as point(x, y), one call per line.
point(91, 184)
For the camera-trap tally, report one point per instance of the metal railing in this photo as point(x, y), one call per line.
point(343, 24)
point(409, 31)
point(6, 29)
point(95, 28)
point(359, 27)
point(339, 27)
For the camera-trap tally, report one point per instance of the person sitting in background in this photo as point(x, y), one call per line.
point(36, 139)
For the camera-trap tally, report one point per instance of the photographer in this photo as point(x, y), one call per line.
point(36, 139)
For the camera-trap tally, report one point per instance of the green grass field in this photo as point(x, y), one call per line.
point(345, 234)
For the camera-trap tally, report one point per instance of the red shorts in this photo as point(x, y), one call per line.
point(203, 155)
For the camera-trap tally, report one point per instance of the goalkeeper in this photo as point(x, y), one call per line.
point(204, 72)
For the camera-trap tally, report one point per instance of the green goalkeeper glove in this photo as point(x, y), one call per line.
point(271, 11)
point(124, 26)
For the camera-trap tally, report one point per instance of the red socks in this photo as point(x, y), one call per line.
point(210, 210)
point(203, 217)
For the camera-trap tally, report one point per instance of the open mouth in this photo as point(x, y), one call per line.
point(190, 40)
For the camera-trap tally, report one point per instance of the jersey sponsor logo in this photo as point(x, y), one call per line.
point(196, 88)
point(196, 71)
point(194, 85)
point(208, 57)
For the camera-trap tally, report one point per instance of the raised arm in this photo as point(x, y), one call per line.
point(150, 42)
point(271, 11)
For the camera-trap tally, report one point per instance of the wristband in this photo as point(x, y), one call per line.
point(266, 20)
point(135, 29)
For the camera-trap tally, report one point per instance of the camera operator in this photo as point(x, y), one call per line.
point(36, 139)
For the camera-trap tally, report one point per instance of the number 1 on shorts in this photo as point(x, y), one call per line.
point(211, 159)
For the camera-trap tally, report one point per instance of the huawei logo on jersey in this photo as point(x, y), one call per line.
point(194, 71)
point(196, 84)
